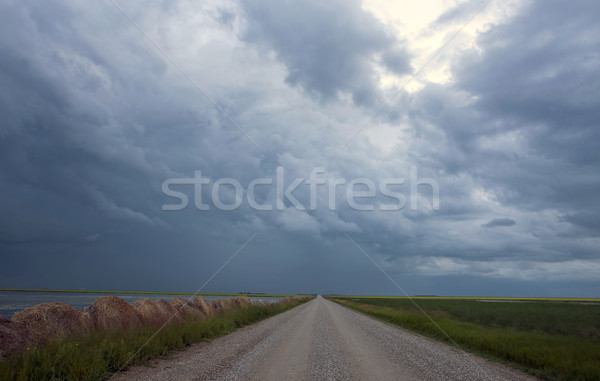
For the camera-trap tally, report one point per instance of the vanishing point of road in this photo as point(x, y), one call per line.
point(321, 340)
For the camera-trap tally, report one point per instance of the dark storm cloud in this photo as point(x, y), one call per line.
point(514, 134)
point(94, 119)
point(82, 150)
point(537, 74)
point(518, 127)
point(585, 220)
point(499, 222)
point(327, 47)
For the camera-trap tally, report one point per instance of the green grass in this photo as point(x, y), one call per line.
point(505, 298)
point(97, 356)
point(554, 341)
point(143, 292)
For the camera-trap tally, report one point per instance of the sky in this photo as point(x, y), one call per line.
point(443, 147)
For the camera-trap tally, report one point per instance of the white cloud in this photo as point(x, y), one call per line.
point(293, 220)
point(586, 270)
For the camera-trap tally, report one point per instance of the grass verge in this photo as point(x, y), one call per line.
point(525, 336)
point(98, 355)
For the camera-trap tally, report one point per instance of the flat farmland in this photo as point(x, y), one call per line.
point(551, 338)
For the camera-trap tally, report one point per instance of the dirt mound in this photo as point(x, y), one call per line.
point(51, 319)
point(149, 312)
point(13, 337)
point(187, 309)
point(112, 313)
point(173, 317)
point(203, 306)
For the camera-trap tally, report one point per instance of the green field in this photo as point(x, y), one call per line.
point(477, 298)
point(551, 338)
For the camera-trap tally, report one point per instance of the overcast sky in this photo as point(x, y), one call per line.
point(496, 104)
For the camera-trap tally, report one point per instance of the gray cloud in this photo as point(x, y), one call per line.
point(459, 13)
point(499, 222)
point(535, 108)
point(328, 48)
point(585, 220)
point(94, 120)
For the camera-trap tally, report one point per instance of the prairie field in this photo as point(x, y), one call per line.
point(551, 338)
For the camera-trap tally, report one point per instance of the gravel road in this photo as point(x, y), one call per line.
point(321, 340)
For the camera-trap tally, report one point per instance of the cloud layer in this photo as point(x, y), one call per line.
point(95, 118)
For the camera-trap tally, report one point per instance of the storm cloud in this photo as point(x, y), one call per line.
point(95, 118)
point(328, 48)
point(499, 222)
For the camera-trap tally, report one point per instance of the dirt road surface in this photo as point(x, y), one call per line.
point(321, 340)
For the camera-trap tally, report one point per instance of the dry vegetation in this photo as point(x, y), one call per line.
point(54, 341)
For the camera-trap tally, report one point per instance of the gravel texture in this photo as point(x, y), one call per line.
point(321, 340)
